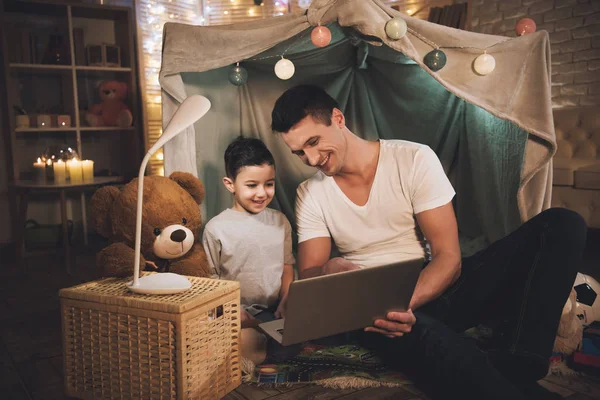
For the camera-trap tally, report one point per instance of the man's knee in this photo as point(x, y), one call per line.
point(566, 227)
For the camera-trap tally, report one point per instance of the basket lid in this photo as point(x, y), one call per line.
point(114, 291)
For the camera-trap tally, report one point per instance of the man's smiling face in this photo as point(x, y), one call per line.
point(320, 146)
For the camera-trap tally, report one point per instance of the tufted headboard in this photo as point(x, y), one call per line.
point(578, 132)
point(576, 164)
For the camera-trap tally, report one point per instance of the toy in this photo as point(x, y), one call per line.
point(587, 289)
point(112, 111)
point(587, 359)
point(570, 329)
point(171, 223)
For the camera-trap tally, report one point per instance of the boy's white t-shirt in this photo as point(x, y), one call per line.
point(251, 249)
point(409, 179)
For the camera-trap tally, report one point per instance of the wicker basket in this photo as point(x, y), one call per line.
point(121, 345)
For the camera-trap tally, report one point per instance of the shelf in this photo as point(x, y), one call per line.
point(52, 67)
point(105, 128)
point(98, 180)
point(70, 89)
point(37, 130)
point(39, 66)
point(100, 69)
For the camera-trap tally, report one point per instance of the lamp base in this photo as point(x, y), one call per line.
point(165, 283)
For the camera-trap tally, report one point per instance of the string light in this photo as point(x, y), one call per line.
point(151, 16)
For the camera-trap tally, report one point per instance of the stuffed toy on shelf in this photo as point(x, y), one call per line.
point(112, 111)
point(171, 223)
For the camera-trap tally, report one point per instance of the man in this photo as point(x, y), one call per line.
point(385, 201)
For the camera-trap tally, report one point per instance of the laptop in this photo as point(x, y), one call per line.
point(331, 304)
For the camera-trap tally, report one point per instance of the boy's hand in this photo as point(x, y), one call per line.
point(280, 312)
point(248, 321)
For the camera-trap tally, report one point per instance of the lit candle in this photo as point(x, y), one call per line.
point(60, 172)
point(39, 168)
point(43, 121)
point(75, 171)
point(49, 169)
point(63, 121)
point(88, 170)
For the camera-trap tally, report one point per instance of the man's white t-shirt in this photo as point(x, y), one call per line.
point(409, 179)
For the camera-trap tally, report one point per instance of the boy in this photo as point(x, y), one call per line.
point(249, 242)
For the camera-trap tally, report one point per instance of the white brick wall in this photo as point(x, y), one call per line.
point(574, 28)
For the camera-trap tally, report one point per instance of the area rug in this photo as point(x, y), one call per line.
point(338, 367)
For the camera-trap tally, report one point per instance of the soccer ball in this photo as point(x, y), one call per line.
point(588, 303)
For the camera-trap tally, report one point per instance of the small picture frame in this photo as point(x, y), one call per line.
point(112, 55)
point(103, 55)
point(94, 55)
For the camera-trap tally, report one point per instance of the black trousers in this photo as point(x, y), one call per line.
point(521, 282)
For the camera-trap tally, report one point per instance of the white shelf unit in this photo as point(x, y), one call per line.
point(70, 87)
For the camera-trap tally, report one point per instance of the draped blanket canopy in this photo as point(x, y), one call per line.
point(494, 133)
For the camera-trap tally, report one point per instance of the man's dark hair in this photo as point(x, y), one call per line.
point(243, 152)
point(297, 103)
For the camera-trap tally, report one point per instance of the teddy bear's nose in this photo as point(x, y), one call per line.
point(178, 235)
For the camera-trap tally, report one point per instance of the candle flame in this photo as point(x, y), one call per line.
point(48, 162)
point(39, 161)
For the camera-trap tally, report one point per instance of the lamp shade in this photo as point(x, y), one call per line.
point(191, 110)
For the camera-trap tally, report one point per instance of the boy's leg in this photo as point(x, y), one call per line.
point(276, 353)
point(253, 345)
point(523, 280)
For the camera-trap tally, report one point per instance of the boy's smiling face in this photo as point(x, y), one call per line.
point(253, 188)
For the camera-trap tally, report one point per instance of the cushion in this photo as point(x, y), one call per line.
point(564, 169)
point(578, 132)
point(588, 177)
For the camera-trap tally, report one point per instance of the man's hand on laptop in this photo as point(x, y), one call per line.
point(338, 264)
point(396, 324)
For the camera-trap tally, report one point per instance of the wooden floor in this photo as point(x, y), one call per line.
point(30, 341)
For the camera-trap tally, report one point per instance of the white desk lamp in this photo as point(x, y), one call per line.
point(191, 110)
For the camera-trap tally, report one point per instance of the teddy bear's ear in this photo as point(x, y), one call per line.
point(100, 205)
point(190, 183)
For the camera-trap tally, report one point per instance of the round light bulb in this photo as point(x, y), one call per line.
point(484, 64)
point(396, 28)
point(435, 60)
point(320, 36)
point(238, 75)
point(284, 69)
point(525, 26)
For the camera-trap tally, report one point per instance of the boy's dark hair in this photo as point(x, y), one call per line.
point(297, 103)
point(243, 152)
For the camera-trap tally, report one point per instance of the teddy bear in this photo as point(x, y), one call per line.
point(570, 328)
point(112, 111)
point(171, 223)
